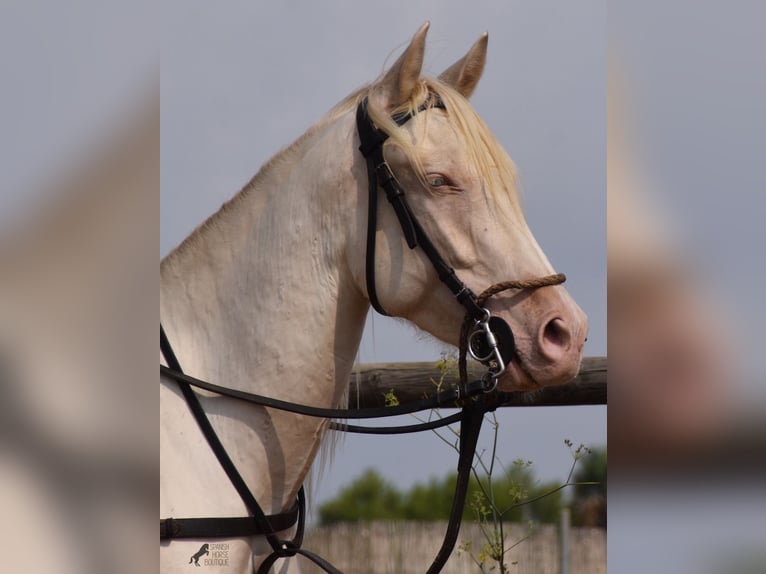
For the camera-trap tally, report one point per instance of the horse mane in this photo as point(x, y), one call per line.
point(488, 159)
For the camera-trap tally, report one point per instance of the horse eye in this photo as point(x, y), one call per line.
point(437, 181)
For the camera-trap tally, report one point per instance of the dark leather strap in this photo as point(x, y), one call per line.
point(227, 527)
point(470, 428)
point(402, 429)
point(315, 558)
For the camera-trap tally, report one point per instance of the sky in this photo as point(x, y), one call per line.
point(241, 80)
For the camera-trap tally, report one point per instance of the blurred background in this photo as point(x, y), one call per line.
point(79, 228)
point(687, 398)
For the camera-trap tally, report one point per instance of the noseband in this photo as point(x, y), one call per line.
point(491, 340)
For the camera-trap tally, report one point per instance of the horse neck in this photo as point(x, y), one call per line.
point(263, 284)
point(261, 298)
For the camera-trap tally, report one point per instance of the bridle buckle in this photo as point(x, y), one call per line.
point(483, 347)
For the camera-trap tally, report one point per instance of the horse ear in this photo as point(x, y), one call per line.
point(400, 80)
point(464, 74)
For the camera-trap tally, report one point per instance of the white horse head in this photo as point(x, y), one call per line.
point(269, 295)
point(462, 186)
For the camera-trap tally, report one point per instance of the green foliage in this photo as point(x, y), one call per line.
point(589, 497)
point(370, 497)
point(431, 501)
point(592, 469)
point(510, 494)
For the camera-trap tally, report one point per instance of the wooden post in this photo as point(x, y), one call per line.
point(564, 541)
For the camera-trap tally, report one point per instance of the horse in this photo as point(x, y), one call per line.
point(271, 293)
point(203, 551)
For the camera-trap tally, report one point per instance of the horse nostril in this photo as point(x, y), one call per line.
point(556, 338)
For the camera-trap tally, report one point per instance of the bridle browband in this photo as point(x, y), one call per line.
point(491, 343)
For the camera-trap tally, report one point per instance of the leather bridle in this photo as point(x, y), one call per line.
point(491, 342)
point(486, 347)
point(379, 172)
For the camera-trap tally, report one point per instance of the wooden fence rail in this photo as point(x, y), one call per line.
point(412, 381)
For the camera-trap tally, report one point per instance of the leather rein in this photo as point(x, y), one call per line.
point(491, 342)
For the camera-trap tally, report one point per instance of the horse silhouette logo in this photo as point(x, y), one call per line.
point(200, 553)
